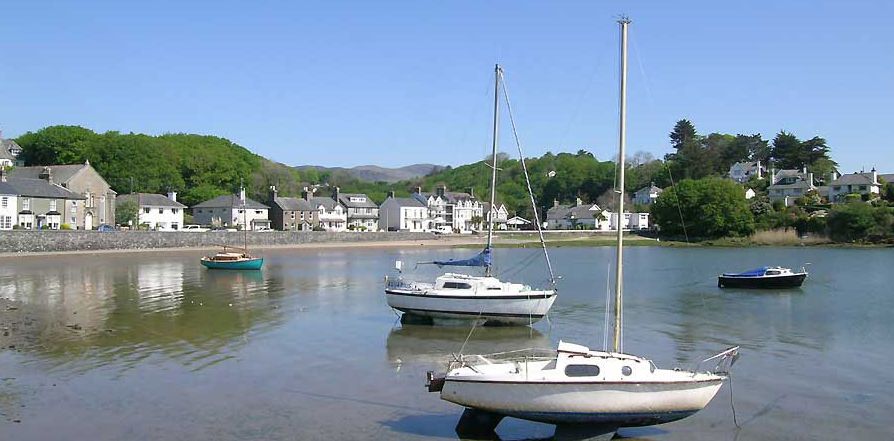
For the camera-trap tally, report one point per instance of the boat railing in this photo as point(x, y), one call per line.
point(519, 356)
point(400, 283)
point(724, 361)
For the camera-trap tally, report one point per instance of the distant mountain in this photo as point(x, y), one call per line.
point(374, 173)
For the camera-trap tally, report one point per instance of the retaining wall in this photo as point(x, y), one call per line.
point(80, 240)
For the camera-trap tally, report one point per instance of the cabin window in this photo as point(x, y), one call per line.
point(456, 285)
point(493, 288)
point(627, 371)
point(581, 370)
point(772, 273)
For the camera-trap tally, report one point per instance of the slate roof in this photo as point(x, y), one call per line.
point(450, 196)
point(60, 173)
point(149, 200)
point(854, 179)
point(485, 206)
point(293, 204)
point(800, 183)
point(230, 201)
point(651, 189)
point(558, 212)
point(345, 199)
point(7, 188)
point(406, 202)
point(327, 203)
point(38, 188)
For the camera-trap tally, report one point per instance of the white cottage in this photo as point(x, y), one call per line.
point(404, 214)
point(233, 211)
point(159, 212)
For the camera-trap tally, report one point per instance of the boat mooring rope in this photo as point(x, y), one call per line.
point(731, 405)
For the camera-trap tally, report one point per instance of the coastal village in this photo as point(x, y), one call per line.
point(76, 197)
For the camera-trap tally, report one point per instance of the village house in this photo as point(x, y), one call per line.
point(36, 203)
point(518, 223)
point(291, 213)
point(9, 153)
point(455, 211)
point(362, 213)
point(741, 172)
point(789, 185)
point(232, 211)
point(8, 204)
point(332, 216)
point(99, 198)
point(855, 183)
point(157, 211)
point(632, 221)
point(500, 217)
point(647, 195)
point(404, 214)
point(577, 216)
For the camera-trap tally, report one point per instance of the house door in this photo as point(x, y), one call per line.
point(88, 221)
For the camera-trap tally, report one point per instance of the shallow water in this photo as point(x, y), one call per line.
point(154, 346)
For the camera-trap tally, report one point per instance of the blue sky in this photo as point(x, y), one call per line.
point(395, 83)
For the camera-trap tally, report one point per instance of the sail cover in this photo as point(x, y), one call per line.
point(481, 259)
point(757, 272)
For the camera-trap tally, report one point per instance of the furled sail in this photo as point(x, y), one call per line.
point(481, 259)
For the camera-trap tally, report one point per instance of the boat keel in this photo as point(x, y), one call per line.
point(478, 424)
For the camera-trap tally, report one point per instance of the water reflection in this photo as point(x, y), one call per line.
point(433, 345)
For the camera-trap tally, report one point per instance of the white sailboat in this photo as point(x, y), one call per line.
point(485, 299)
point(575, 386)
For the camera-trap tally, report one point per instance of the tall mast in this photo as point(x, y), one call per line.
point(493, 176)
point(622, 141)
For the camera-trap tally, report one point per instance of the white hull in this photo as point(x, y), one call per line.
point(624, 404)
point(511, 309)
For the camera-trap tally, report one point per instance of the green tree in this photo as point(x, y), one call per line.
point(126, 213)
point(786, 151)
point(851, 221)
point(710, 208)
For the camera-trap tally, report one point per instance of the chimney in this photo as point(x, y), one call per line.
point(472, 192)
point(273, 193)
point(810, 179)
point(242, 195)
point(804, 169)
point(305, 194)
point(418, 190)
point(335, 193)
point(759, 171)
point(832, 176)
point(874, 176)
point(578, 202)
point(46, 174)
point(172, 195)
point(772, 175)
point(391, 195)
point(441, 190)
point(555, 202)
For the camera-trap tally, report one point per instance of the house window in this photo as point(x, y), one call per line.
point(161, 211)
point(26, 204)
point(4, 202)
point(862, 188)
point(52, 205)
point(146, 210)
point(5, 222)
point(257, 211)
point(175, 210)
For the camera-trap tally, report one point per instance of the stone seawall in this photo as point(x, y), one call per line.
point(74, 240)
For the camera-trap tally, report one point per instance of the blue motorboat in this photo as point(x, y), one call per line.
point(763, 277)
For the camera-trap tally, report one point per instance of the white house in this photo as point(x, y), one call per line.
point(743, 171)
point(232, 210)
point(501, 216)
point(332, 215)
point(789, 185)
point(517, 223)
point(8, 205)
point(361, 212)
point(632, 221)
point(404, 214)
point(159, 212)
point(9, 152)
point(749, 193)
point(647, 195)
point(452, 210)
point(856, 183)
point(577, 216)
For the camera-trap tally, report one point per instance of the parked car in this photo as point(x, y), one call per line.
point(194, 228)
point(105, 228)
